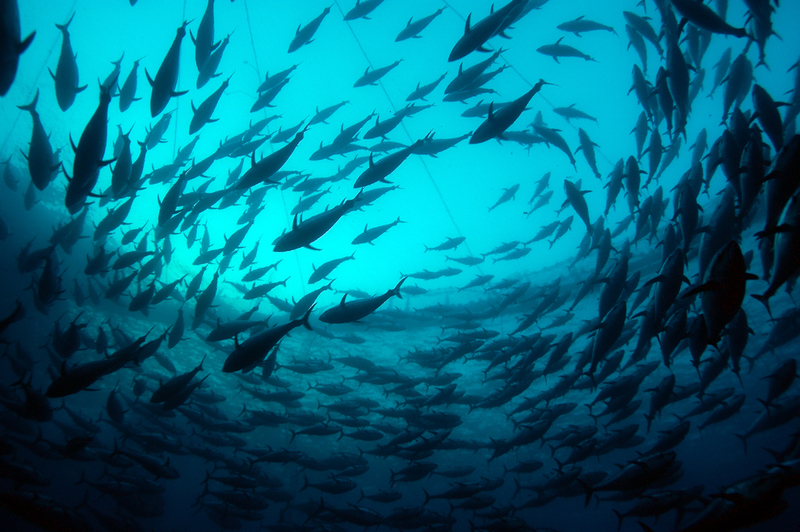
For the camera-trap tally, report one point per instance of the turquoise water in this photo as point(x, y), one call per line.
point(437, 198)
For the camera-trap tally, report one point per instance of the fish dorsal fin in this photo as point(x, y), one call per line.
point(466, 24)
point(294, 222)
point(341, 304)
point(559, 40)
point(491, 108)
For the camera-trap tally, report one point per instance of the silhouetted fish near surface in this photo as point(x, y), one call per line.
point(41, 160)
point(11, 43)
point(497, 123)
point(66, 76)
point(163, 85)
point(358, 309)
point(476, 36)
point(89, 156)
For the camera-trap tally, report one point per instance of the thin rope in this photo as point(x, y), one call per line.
point(408, 135)
point(177, 105)
point(287, 217)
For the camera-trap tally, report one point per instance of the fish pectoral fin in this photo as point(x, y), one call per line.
point(21, 47)
point(178, 93)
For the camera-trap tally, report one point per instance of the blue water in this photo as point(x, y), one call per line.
point(437, 198)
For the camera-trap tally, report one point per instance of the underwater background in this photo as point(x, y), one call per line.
point(475, 375)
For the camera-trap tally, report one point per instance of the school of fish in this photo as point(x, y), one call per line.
point(471, 428)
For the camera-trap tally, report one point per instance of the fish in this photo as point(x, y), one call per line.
point(42, 162)
point(258, 346)
point(66, 76)
point(495, 23)
point(166, 80)
point(372, 77)
point(305, 34)
point(304, 232)
point(360, 308)
point(11, 45)
point(88, 156)
point(496, 124)
point(362, 9)
point(412, 29)
point(562, 50)
point(582, 25)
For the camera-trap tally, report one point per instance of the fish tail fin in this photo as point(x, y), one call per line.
point(304, 321)
point(396, 290)
point(744, 441)
point(588, 489)
point(31, 106)
point(620, 517)
point(764, 298)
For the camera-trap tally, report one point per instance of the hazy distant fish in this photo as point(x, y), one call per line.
point(551, 136)
point(368, 235)
point(571, 113)
point(305, 35)
point(508, 195)
point(209, 69)
point(325, 113)
point(562, 50)
point(467, 77)
point(640, 25)
point(89, 156)
point(581, 25)
point(10, 45)
point(578, 202)
point(371, 78)
point(412, 29)
point(587, 146)
point(66, 76)
point(325, 269)
point(167, 76)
